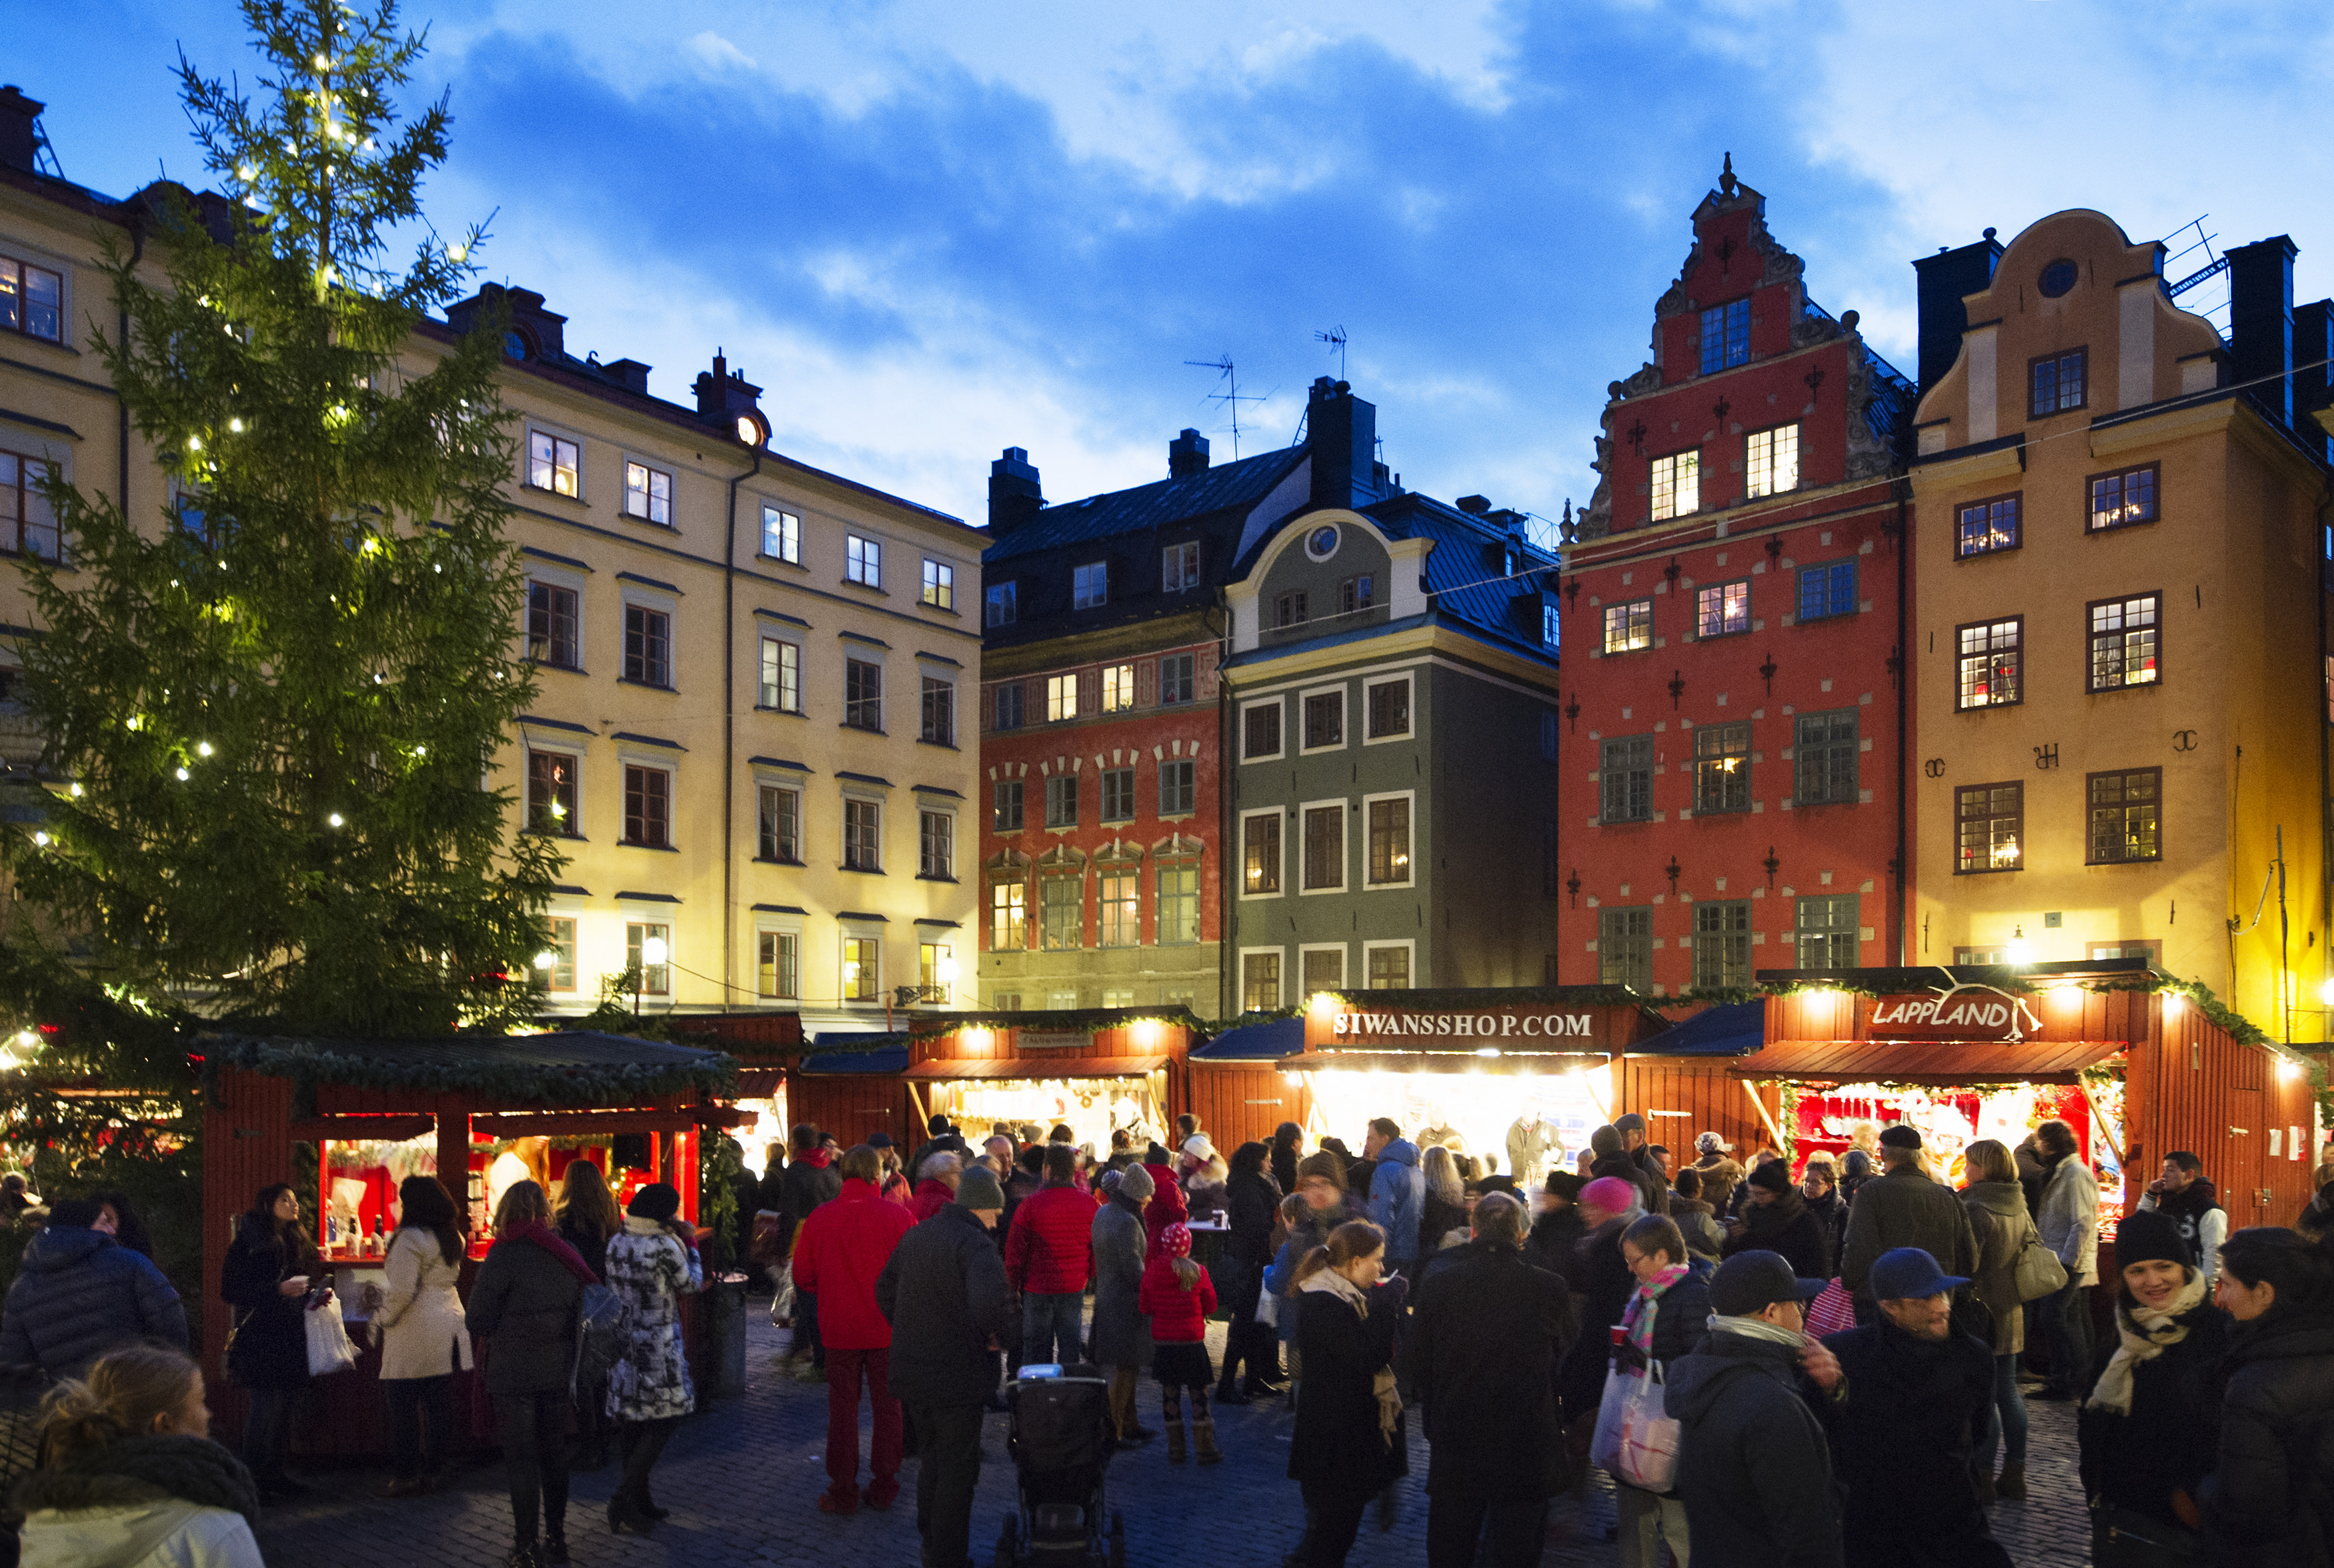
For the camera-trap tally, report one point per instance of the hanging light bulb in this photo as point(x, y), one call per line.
point(334, 819)
point(202, 748)
point(183, 776)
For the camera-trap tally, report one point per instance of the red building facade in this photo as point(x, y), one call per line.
point(1735, 645)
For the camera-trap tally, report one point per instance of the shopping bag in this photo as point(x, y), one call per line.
point(329, 1350)
point(1831, 1311)
point(2038, 1271)
point(1267, 1308)
point(1636, 1441)
point(782, 1299)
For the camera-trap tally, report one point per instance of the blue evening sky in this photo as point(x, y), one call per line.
point(934, 228)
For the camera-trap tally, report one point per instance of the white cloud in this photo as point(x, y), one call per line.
point(718, 51)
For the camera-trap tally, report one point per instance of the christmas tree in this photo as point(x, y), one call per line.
point(270, 714)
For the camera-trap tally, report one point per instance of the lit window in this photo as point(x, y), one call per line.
point(862, 695)
point(648, 646)
point(779, 811)
point(1773, 460)
point(1987, 526)
point(2057, 384)
point(1061, 697)
point(938, 716)
point(2123, 816)
point(554, 626)
point(551, 463)
point(648, 807)
point(1721, 768)
point(1179, 903)
point(1987, 676)
point(1321, 969)
point(1992, 818)
point(936, 845)
point(1259, 981)
point(863, 836)
point(1827, 591)
point(1001, 605)
point(862, 560)
point(1260, 852)
point(1389, 968)
point(1722, 609)
point(936, 966)
point(1179, 567)
point(655, 979)
point(2124, 641)
point(940, 585)
point(1725, 336)
point(1550, 624)
point(561, 976)
point(863, 969)
point(2119, 499)
point(781, 674)
point(777, 974)
point(1119, 902)
point(1090, 585)
point(648, 493)
point(1389, 842)
point(32, 300)
point(1008, 917)
point(1117, 687)
point(1677, 485)
point(1629, 627)
point(550, 795)
point(781, 535)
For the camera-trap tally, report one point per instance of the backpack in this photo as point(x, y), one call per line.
point(603, 1330)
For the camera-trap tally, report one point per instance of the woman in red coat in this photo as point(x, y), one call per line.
point(1178, 1297)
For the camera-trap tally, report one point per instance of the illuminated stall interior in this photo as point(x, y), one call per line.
point(1431, 1094)
point(1093, 1105)
point(1096, 1071)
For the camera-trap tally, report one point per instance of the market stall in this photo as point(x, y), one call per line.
point(1097, 1070)
point(1678, 1082)
point(1237, 1090)
point(850, 1085)
point(1529, 1072)
point(477, 1113)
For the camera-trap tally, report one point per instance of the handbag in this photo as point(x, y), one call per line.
point(602, 1322)
point(1832, 1312)
point(2038, 1272)
point(2123, 1539)
point(1637, 1440)
point(1268, 1309)
point(329, 1350)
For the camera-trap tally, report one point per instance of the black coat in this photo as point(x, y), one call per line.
point(1902, 1441)
point(1250, 1201)
point(1337, 1442)
point(590, 1244)
point(1753, 1468)
point(1284, 1165)
point(2268, 1500)
point(1602, 1277)
point(1789, 1226)
point(1681, 1317)
point(806, 1186)
point(1481, 1352)
point(1555, 1238)
point(944, 1293)
point(2166, 1443)
point(1651, 1190)
point(271, 1344)
point(1438, 1219)
point(526, 1303)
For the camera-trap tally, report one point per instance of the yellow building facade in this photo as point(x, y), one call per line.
point(2120, 707)
point(752, 733)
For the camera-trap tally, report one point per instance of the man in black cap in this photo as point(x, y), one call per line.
point(1753, 1464)
point(1613, 1158)
point(1904, 1206)
point(1918, 1393)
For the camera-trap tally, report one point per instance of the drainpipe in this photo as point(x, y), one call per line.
point(1227, 776)
point(2325, 768)
point(1903, 708)
point(729, 737)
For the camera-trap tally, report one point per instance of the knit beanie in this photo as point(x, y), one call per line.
point(979, 1190)
point(1135, 1183)
point(1774, 1176)
point(1176, 1241)
point(2150, 1235)
point(1198, 1147)
point(1322, 1163)
point(658, 1201)
point(1605, 1142)
point(1611, 1194)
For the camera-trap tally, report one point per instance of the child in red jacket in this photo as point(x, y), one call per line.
point(1178, 1297)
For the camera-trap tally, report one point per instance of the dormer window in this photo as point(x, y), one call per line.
point(1090, 586)
point(1725, 336)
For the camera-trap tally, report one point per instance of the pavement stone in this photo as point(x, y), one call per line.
point(742, 1478)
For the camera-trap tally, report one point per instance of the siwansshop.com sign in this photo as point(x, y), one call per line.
point(1395, 1028)
point(1954, 1012)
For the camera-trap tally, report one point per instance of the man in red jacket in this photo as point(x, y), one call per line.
point(1048, 1254)
point(843, 1247)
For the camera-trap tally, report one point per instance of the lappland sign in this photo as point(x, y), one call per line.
point(1507, 1025)
point(1954, 1012)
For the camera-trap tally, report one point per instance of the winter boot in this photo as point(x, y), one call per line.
point(1204, 1437)
point(1175, 1441)
point(2012, 1484)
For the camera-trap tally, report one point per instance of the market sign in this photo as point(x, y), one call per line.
point(1474, 1029)
point(1962, 1012)
point(1053, 1040)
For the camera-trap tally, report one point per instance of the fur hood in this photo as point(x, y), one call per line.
point(138, 1471)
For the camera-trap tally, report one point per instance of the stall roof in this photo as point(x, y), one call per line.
point(1268, 1041)
point(1038, 1067)
point(1064, 1018)
point(1735, 1029)
point(877, 1059)
point(1938, 1064)
point(564, 1067)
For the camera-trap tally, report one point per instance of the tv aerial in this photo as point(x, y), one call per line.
point(1335, 339)
point(1231, 395)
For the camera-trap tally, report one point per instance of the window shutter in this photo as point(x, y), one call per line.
point(987, 709)
point(1089, 691)
point(1146, 684)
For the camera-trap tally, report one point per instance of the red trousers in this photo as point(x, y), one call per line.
point(845, 1370)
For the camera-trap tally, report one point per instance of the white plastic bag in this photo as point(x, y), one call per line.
point(1636, 1441)
point(1267, 1308)
point(329, 1350)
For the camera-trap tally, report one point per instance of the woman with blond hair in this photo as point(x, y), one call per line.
point(1445, 1210)
point(525, 1302)
point(129, 1473)
point(1997, 1211)
point(419, 1327)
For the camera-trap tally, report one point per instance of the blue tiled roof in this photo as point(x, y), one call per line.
point(1266, 1042)
point(881, 1053)
point(1467, 586)
point(1146, 506)
point(1736, 1029)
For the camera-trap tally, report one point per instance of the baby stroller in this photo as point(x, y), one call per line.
point(1060, 1438)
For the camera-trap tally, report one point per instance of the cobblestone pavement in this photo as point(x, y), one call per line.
point(743, 1476)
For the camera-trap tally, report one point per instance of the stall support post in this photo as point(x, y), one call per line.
point(454, 1152)
point(1751, 1089)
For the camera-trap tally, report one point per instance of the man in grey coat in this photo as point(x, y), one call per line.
point(1122, 1335)
point(1904, 1206)
point(2068, 1219)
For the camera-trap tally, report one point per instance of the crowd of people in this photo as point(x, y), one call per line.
point(1827, 1369)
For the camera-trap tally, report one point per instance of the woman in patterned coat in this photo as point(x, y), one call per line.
point(652, 1263)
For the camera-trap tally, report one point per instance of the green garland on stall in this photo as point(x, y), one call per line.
point(513, 1082)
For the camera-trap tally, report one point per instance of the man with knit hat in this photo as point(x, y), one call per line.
point(1904, 1207)
point(1753, 1466)
point(1915, 1400)
point(946, 1297)
point(1122, 1336)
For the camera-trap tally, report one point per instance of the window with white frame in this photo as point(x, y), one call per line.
point(554, 462)
point(1289, 608)
point(655, 979)
point(1629, 627)
point(648, 493)
point(1061, 697)
point(781, 534)
point(1987, 662)
point(648, 646)
point(1388, 704)
point(1772, 460)
point(1725, 336)
point(648, 806)
point(778, 970)
point(863, 835)
point(778, 811)
point(1325, 719)
point(1118, 891)
point(1261, 853)
point(1324, 847)
point(1677, 485)
point(940, 584)
point(1090, 585)
point(554, 626)
point(1117, 688)
point(1389, 830)
point(936, 972)
point(862, 968)
point(1260, 731)
point(550, 795)
point(936, 845)
point(862, 560)
point(32, 300)
point(1179, 903)
point(560, 974)
point(862, 694)
point(939, 716)
point(781, 674)
point(1008, 916)
point(1261, 980)
point(1387, 968)
point(1179, 567)
point(1320, 969)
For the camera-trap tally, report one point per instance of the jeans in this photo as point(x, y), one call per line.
point(2067, 1321)
point(1051, 1321)
point(1510, 1526)
point(2007, 1419)
point(409, 1399)
point(267, 1432)
point(1647, 1519)
point(643, 1444)
point(845, 1370)
point(534, 1430)
point(948, 1470)
point(1334, 1517)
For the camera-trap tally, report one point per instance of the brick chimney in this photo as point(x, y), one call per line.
point(1342, 432)
point(1187, 455)
point(20, 132)
point(1941, 283)
point(722, 393)
point(1015, 497)
point(2261, 324)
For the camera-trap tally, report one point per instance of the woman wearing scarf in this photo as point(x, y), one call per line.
point(1666, 1317)
point(1349, 1444)
point(1778, 1219)
point(651, 1267)
point(525, 1303)
point(2147, 1425)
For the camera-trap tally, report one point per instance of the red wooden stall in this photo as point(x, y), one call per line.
point(1096, 1069)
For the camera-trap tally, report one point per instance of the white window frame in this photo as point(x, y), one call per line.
point(862, 560)
point(1010, 604)
point(1085, 578)
point(778, 926)
point(947, 874)
point(789, 784)
point(852, 797)
point(650, 472)
point(874, 996)
point(1061, 697)
point(1174, 576)
point(938, 588)
point(789, 538)
point(1279, 701)
point(527, 457)
point(1409, 946)
point(1409, 707)
point(1682, 483)
point(1304, 696)
point(1280, 988)
point(575, 986)
point(762, 688)
point(1344, 808)
point(946, 948)
point(1411, 879)
point(648, 927)
point(47, 262)
point(1771, 471)
point(1117, 688)
point(1239, 852)
point(1344, 964)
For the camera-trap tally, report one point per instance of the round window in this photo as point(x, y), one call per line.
point(1322, 542)
point(514, 345)
point(2057, 277)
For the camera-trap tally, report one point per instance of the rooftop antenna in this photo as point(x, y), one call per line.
point(1230, 396)
point(1335, 338)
